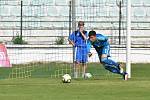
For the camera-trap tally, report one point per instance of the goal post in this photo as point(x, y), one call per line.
point(128, 50)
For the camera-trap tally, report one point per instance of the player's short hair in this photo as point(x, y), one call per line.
point(92, 33)
point(81, 23)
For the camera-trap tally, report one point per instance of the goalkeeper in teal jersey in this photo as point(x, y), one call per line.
point(101, 45)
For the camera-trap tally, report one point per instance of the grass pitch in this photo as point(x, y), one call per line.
point(99, 88)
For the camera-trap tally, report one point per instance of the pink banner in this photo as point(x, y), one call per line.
point(4, 60)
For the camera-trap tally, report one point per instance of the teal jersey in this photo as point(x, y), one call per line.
point(101, 41)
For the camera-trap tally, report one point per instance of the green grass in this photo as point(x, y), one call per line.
point(99, 88)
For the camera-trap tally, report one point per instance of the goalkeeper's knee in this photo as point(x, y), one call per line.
point(104, 61)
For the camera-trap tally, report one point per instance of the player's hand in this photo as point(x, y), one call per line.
point(81, 30)
point(89, 54)
point(82, 33)
point(72, 43)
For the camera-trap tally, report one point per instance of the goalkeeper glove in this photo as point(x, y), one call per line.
point(89, 54)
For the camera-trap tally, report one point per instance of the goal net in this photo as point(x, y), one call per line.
point(43, 27)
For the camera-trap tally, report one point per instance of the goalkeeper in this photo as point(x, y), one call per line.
point(101, 45)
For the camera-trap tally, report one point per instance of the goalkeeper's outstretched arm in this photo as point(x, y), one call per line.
point(89, 47)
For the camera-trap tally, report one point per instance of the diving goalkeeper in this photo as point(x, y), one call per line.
point(101, 45)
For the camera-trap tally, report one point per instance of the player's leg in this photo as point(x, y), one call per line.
point(84, 67)
point(77, 69)
point(104, 58)
point(84, 61)
point(109, 64)
point(78, 62)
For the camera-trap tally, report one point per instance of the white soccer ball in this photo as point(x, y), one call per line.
point(66, 78)
point(88, 75)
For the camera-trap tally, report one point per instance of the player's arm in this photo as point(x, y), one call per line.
point(71, 39)
point(72, 43)
point(89, 47)
point(84, 35)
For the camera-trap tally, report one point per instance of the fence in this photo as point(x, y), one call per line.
point(44, 26)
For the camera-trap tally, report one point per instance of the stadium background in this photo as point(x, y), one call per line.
point(46, 21)
point(41, 60)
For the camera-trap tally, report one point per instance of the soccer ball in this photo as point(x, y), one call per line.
point(66, 78)
point(88, 75)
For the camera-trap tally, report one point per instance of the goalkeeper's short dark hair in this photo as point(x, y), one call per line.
point(92, 33)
